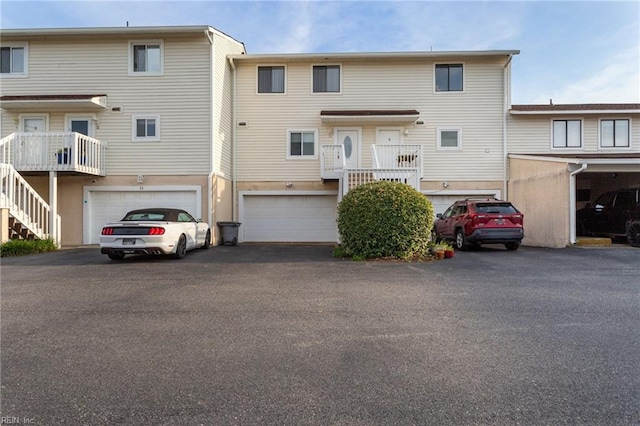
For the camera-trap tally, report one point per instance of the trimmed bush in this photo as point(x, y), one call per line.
point(384, 219)
point(24, 247)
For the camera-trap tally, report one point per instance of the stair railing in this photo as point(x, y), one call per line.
point(26, 205)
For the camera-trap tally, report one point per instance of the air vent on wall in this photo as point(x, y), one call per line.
point(117, 108)
point(243, 124)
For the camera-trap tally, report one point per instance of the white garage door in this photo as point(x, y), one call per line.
point(289, 218)
point(107, 206)
point(442, 202)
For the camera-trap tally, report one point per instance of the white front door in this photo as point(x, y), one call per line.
point(34, 124)
point(389, 137)
point(33, 150)
point(350, 139)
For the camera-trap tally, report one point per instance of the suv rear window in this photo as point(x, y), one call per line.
point(495, 208)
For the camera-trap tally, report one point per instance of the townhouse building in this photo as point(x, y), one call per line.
point(98, 121)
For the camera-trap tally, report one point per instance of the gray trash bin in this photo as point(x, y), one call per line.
point(229, 231)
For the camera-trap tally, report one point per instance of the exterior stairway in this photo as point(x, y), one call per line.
point(27, 214)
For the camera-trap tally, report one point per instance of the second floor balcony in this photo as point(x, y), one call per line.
point(54, 151)
point(389, 157)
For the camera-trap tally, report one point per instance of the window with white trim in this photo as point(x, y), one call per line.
point(13, 60)
point(326, 79)
point(146, 58)
point(146, 128)
point(301, 144)
point(449, 77)
point(450, 138)
point(271, 79)
point(567, 133)
point(614, 133)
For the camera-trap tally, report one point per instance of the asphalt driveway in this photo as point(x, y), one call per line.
point(259, 334)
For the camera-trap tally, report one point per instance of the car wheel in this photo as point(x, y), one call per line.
point(207, 241)
point(116, 255)
point(512, 246)
point(460, 242)
point(181, 248)
point(633, 234)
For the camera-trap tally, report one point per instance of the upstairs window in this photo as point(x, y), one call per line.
point(326, 79)
point(567, 133)
point(145, 58)
point(270, 79)
point(146, 128)
point(449, 78)
point(302, 144)
point(614, 134)
point(13, 60)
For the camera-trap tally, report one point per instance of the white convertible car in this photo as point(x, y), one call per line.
point(154, 231)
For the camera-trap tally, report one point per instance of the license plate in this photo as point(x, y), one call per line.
point(499, 221)
point(128, 241)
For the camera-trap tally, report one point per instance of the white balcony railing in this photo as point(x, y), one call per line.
point(397, 157)
point(54, 151)
point(26, 205)
point(332, 161)
point(355, 177)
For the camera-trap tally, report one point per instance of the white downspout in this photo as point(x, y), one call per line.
point(234, 142)
point(506, 101)
point(211, 133)
point(572, 198)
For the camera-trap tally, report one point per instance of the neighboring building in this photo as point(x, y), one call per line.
point(562, 156)
point(102, 120)
point(310, 125)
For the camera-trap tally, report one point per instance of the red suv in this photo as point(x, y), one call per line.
point(470, 223)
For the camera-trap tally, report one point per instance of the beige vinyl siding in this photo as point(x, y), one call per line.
point(532, 134)
point(223, 104)
point(374, 84)
point(181, 96)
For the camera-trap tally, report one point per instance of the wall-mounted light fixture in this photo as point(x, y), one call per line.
point(406, 132)
point(289, 184)
point(445, 184)
point(140, 179)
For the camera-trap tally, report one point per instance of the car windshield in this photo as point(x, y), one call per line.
point(495, 208)
point(145, 216)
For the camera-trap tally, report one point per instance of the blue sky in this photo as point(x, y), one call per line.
point(572, 51)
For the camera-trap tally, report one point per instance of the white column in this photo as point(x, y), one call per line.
point(53, 205)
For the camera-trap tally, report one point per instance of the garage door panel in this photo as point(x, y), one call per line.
point(110, 206)
point(289, 218)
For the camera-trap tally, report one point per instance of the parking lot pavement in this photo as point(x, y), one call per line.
point(277, 334)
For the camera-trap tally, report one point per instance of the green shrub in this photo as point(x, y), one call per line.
point(384, 219)
point(24, 247)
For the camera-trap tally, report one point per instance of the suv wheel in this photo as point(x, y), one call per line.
point(512, 246)
point(633, 234)
point(460, 242)
point(434, 236)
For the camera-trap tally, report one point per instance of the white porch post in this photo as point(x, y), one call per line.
point(53, 206)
